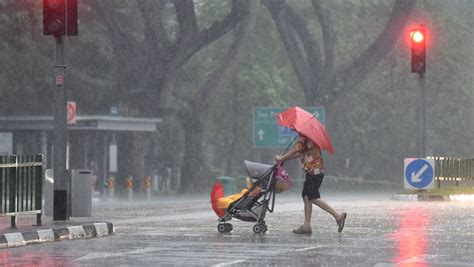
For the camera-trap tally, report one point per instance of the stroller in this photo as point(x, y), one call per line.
point(252, 205)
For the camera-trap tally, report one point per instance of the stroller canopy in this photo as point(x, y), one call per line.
point(255, 169)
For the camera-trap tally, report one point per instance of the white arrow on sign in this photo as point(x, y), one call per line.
point(415, 177)
point(261, 133)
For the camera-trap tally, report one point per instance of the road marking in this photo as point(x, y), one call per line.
point(92, 256)
point(306, 249)
point(228, 263)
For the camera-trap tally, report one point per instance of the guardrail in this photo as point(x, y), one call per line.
point(453, 169)
point(21, 186)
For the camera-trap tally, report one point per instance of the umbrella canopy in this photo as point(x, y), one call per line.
point(305, 123)
point(216, 193)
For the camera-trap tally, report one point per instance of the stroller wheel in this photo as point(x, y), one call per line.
point(264, 228)
point(228, 227)
point(257, 228)
point(221, 228)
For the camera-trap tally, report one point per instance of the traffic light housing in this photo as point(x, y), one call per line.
point(418, 50)
point(60, 17)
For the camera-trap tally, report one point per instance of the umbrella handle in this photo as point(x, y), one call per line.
point(289, 145)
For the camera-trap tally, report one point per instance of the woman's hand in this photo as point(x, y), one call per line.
point(279, 158)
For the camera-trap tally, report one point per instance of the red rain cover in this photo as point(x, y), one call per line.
point(216, 193)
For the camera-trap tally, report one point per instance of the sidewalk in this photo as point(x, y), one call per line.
point(28, 233)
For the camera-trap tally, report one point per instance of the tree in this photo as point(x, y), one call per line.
point(20, 32)
point(315, 65)
point(195, 116)
point(323, 75)
point(153, 47)
point(150, 52)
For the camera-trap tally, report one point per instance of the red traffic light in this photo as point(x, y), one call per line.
point(53, 2)
point(60, 17)
point(418, 49)
point(417, 36)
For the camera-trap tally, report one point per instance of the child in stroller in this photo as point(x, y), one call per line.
point(251, 204)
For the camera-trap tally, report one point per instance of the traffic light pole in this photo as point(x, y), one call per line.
point(421, 108)
point(60, 197)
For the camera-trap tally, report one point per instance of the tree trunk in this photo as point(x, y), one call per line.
point(194, 160)
point(232, 141)
point(132, 158)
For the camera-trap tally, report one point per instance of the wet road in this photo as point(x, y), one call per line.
point(177, 231)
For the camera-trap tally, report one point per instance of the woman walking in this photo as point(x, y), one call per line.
point(313, 164)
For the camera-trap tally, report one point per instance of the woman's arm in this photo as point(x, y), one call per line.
point(291, 154)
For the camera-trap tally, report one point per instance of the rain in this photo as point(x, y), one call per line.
point(152, 114)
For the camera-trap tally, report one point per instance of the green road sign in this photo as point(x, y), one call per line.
point(267, 133)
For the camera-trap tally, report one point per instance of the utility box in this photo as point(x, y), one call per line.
point(80, 193)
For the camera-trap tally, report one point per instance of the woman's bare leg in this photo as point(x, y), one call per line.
point(326, 207)
point(308, 209)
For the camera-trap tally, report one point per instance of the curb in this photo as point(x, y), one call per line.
point(57, 234)
point(422, 197)
point(404, 197)
point(433, 198)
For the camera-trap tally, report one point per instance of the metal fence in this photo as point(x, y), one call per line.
point(453, 169)
point(21, 184)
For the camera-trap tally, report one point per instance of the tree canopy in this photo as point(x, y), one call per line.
point(203, 66)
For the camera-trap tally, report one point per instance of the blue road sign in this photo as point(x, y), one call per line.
point(419, 173)
point(286, 131)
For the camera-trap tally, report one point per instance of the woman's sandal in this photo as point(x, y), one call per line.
point(341, 222)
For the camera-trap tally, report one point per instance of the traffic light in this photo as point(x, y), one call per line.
point(72, 19)
point(418, 50)
point(60, 17)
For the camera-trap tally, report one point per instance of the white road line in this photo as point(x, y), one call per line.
point(99, 255)
point(306, 249)
point(271, 255)
point(228, 263)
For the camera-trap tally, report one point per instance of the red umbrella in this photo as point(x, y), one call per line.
point(216, 193)
point(306, 124)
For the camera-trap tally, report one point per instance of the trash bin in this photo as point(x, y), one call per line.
point(81, 193)
point(229, 185)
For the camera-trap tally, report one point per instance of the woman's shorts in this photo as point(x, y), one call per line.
point(311, 186)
